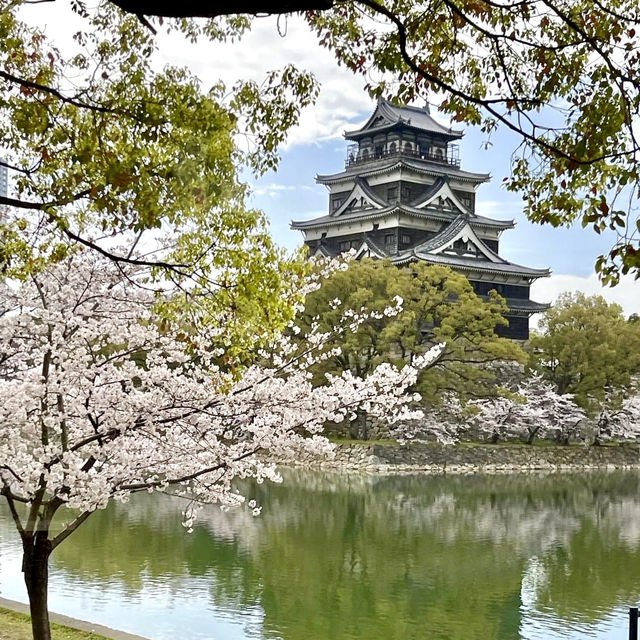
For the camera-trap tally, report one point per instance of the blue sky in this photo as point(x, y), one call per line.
point(570, 253)
point(291, 193)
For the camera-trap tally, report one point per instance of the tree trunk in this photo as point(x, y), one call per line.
point(35, 566)
point(358, 429)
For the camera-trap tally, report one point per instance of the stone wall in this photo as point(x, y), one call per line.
point(471, 458)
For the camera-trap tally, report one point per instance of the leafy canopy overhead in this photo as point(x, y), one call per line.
point(561, 74)
point(107, 150)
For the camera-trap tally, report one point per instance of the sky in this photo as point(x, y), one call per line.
point(317, 146)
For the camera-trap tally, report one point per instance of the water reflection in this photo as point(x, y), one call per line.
point(357, 557)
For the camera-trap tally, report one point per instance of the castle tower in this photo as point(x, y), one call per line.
point(403, 196)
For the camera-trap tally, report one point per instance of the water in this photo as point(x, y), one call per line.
point(360, 558)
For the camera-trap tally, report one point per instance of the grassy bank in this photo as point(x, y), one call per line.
point(17, 626)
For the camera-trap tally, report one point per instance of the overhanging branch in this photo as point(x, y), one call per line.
point(208, 9)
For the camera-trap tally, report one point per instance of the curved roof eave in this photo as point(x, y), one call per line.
point(362, 133)
point(413, 117)
point(329, 220)
point(517, 270)
point(433, 170)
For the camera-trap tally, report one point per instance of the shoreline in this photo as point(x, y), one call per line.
point(477, 458)
point(74, 623)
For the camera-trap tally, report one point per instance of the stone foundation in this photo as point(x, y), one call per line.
point(485, 458)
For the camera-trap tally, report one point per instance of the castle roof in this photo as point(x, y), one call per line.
point(476, 256)
point(425, 206)
point(525, 307)
point(388, 116)
point(418, 166)
point(375, 214)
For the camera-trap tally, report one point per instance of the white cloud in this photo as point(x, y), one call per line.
point(274, 189)
point(501, 209)
point(342, 99)
point(626, 293)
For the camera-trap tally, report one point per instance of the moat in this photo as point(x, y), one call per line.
point(360, 557)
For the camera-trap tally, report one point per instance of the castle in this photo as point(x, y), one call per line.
point(403, 196)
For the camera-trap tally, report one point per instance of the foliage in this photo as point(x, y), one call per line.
point(439, 306)
point(537, 411)
point(561, 74)
point(106, 149)
point(98, 400)
point(586, 348)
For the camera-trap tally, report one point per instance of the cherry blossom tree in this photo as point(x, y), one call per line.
point(535, 411)
point(100, 400)
point(618, 420)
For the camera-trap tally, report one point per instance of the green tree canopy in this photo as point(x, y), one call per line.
point(560, 74)
point(111, 151)
point(439, 305)
point(588, 349)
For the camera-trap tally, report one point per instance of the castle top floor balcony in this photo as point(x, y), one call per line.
point(449, 156)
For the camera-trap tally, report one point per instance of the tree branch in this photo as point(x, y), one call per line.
point(63, 535)
point(14, 512)
point(486, 103)
point(208, 9)
point(29, 84)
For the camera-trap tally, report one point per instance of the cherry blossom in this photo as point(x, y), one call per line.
point(535, 411)
point(99, 400)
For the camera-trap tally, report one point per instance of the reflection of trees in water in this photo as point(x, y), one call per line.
point(386, 557)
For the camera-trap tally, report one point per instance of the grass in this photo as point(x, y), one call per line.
point(17, 626)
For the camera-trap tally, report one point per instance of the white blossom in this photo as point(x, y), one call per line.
point(536, 411)
point(99, 401)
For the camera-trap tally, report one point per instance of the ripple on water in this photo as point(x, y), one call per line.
point(476, 558)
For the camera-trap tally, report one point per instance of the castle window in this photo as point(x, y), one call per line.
point(408, 148)
point(379, 151)
point(392, 194)
point(365, 154)
point(388, 239)
point(405, 238)
point(392, 147)
point(406, 192)
point(466, 201)
point(337, 203)
point(345, 245)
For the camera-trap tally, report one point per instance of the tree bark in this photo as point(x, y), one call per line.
point(208, 9)
point(35, 566)
point(358, 429)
